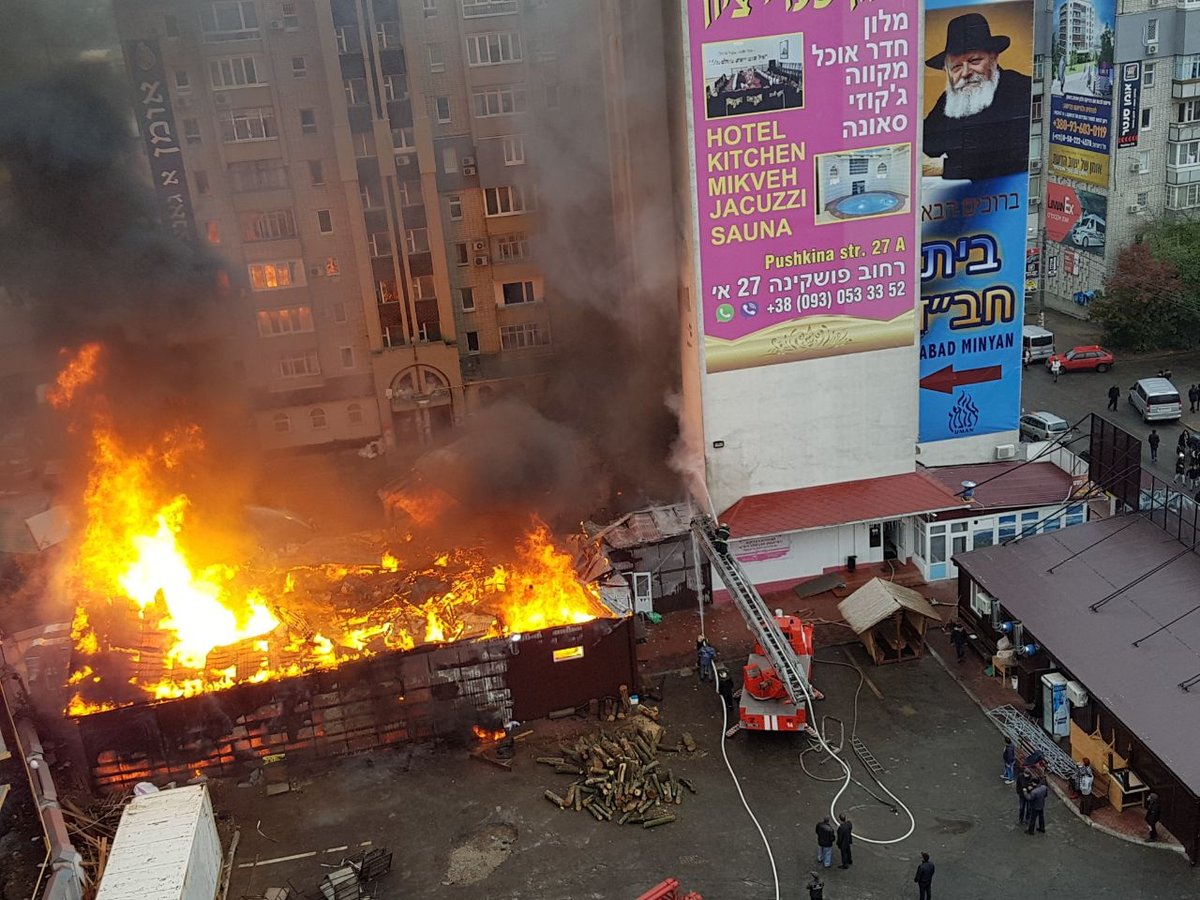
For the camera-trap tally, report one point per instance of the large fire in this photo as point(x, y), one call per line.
point(156, 618)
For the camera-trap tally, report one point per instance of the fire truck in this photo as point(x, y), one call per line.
point(776, 680)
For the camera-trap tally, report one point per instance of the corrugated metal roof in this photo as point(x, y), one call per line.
point(648, 526)
point(867, 500)
point(152, 851)
point(1140, 685)
point(877, 600)
point(1022, 484)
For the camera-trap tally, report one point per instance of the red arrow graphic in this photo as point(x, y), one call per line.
point(946, 380)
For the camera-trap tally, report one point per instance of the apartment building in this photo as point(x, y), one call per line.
point(1150, 98)
point(369, 169)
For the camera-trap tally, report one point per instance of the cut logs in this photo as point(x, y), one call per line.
point(618, 776)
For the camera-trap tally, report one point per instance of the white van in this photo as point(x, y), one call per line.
point(1156, 400)
point(1037, 342)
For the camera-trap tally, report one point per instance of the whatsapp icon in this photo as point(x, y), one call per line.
point(725, 312)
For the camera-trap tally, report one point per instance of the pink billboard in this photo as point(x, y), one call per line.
point(804, 120)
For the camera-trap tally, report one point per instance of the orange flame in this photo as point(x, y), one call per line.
point(79, 371)
point(486, 734)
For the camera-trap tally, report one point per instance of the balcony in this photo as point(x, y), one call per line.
point(1183, 174)
point(1185, 90)
point(1184, 131)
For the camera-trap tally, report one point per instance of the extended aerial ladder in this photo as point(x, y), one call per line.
point(776, 654)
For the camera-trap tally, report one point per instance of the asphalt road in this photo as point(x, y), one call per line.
point(1080, 393)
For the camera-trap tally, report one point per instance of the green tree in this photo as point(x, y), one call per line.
point(1106, 46)
point(1149, 302)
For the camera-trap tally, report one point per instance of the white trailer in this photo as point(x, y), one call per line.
point(166, 848)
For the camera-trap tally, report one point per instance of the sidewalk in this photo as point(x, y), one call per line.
point(989, 692)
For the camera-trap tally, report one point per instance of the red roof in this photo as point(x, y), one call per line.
point(1022, 484)
point(868, 500)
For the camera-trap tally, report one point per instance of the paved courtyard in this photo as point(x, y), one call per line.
point(461, 828)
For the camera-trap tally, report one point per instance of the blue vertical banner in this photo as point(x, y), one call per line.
point(1130, 117)
point(974, 197)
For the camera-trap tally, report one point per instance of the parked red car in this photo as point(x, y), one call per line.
point(1080, 359)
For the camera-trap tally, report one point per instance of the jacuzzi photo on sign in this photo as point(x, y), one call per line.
point(804, 126)
point(974, 192)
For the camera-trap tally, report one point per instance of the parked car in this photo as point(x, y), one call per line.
point(1156, 400)
point(1036, 342)
point(1043, 426)
point(1080, 359)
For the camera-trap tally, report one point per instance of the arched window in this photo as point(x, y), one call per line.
point(354, 413)
point(834, 176)
point(318, 417)
point(282, 423)
point(881, 171)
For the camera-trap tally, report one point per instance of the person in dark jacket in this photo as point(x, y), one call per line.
point(1010, 761)
point(924, 878)
point(1153, 440)
point(825, 838)
point(1193, 397)
point(845, 837)
point(958, 637)
point(979, 127)
point(816, 887)
point(1153, 814)
point(1114, 394)
point(1024, 780)
point(1037, 806)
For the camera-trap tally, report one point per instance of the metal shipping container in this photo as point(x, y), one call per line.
point(166, 848)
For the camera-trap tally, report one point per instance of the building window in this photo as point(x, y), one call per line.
point(212, 231)
point(299, 67)
point(1183, 154)
point(291, 21)
point(347, 38)
point(466, 297)
point(201, 179)
point(423, 287)
point(356, 91)
point(272, 225)
point(499, 101)
point(364, 145)
point(308, 121)
point(462, 254)
point(449, 160)
point(316, 172)
point(171, 26)
point(1152, 31)
point(436, 54)
point(1036, 108)
point(1187, 68)
point(347, 357)
point(191, 131)
point(417, 240)
point(233, 72)
point(387, 292)
point(518, 337)
point(1183, 196)
point(507, 201)
point(472, 341)
point(387, 34)
point(1143, 198)
point(276, 275)
point(1147, 119)
point(514, 150)
point(371, 195)
point(332, 267)
point(409, 193)
point(403, 140)
point(515, 292)
point(299, 364)
point(1143, 161)
point(354, 414)
point(395, 87)
point(454, 204)
point(1188, 111)
point(229, 21)
point(1148, 74)
point(379, 243)
point(512, 247)
point(293, 320)
point(183, 81)
point(324, 221)
point(256, 123)
point(258, 175)
point(281, 422)
point(441, 106)
point(338, 310)
point(393, 336)
point(1075, 514)
point(474, 9)
point(429, 7)
point(1039, 67)
point(493, 49)
point(317, 418)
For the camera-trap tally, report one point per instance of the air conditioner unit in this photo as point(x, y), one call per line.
point(276, 25)
point(221, 99)
point(1153, 3)
point(479, 246)
point(403, 159)
point(1006, 451)
point(1035, 166)
point(1135, 168)
point(1035, 202)
point(315, 271)
point(1152, 49)
point(481, 260)
point(469, 170)
point(468, 161)
point(1135, 208)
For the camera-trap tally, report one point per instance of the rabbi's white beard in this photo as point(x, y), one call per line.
point(972, 95)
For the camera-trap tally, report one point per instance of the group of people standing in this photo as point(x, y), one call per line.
point(843, 838)
point(1187, 460)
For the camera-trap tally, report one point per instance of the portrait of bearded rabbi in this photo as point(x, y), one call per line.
point(979, 127)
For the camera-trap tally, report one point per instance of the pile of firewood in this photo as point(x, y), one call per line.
point(92, 829)
point(618, 775)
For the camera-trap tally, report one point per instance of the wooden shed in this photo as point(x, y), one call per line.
point(889, 619)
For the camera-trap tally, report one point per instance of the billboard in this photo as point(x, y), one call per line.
point(804, 124)
point(1081, 89)
point(1129, 116)
point(1077, 219)
point(974, 194)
